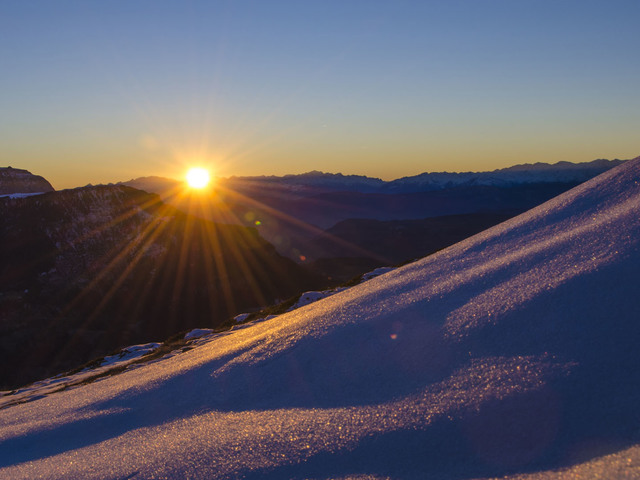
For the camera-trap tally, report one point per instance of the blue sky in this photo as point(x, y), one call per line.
point(95, 91)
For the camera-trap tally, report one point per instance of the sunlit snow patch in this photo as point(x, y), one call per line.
point(313, 296)
point(42, 388)
point(310, 297)
point(197, 333)
point(20, 195)
point(129, 353)
point(376, 273)
point(242, 317)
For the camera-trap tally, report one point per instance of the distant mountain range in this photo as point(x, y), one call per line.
point(315, 182)
point(561, 172)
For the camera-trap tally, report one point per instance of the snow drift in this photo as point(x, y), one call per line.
point(512, 351)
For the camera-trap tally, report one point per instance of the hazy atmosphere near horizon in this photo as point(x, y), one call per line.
point(97, 92)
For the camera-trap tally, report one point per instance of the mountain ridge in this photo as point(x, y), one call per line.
point(517, 174)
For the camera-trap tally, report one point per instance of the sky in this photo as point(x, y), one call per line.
point(98, 92)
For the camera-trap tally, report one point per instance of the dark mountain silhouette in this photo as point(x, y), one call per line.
point(85, 271)
point(14, 180)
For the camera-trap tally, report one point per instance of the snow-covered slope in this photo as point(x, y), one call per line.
point(513, 350)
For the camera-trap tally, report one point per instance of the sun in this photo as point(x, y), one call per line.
point(198, 177)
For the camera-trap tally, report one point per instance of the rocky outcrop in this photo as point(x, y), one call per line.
point(14, 180)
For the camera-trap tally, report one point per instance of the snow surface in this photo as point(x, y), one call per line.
point(242, 317)
point(20, 195)
point(512, 352)
point(130, 353)
point(61, 382)
point(197, 333)
point(307, 298)
point(313, 296)
point(376, 273)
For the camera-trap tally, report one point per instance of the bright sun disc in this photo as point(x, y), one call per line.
point(198, 177)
